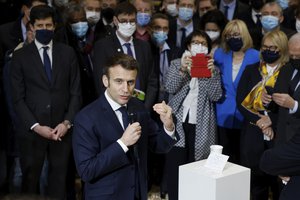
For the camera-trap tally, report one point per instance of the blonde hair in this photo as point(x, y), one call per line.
point(240, 27)
point(279, 39)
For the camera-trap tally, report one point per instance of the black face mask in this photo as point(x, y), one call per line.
point(108, 14)
point(295, 63)
point(44, 36)
point(235, 44)
point(270, 56)
point(257, 4)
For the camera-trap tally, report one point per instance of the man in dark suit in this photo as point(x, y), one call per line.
point(46, 94)
point(232, 9)
point(284, 160)
point(122, 41)
point(111, 136)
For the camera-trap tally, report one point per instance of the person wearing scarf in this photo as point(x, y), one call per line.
point(257, 133)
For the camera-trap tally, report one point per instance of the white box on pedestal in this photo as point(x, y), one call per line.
point(197, 182)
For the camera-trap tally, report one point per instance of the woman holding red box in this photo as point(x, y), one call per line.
point(193, 106)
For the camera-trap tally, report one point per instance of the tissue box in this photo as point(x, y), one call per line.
point(199, 183)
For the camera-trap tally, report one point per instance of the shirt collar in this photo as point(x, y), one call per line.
point(40, 45)
point(114, 105)
point(254, 13)
point(165, 47)
point(123, 41)
point(187, 27)
point(230, 5)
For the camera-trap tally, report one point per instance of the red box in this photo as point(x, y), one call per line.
point(199, 68)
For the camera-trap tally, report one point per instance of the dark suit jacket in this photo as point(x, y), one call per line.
point(288, 124)
point(240, 9)
point(35, 99)
point(108, 172)
point(284, 160)
point(252, 142)
point(108, 47)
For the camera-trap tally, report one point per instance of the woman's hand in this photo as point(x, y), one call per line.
point(186, 61)
point(211, 66)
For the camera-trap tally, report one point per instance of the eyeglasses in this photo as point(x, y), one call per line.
point(233, 35)
point(204, 43)
point(270, 48)
point(126, 21)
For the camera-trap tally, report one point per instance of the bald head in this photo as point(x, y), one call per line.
point(294, 47)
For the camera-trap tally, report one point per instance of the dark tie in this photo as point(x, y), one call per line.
point(294, 82)
point(129, 52)
point(226, 11)
point(125, 117)
point(133, 152)
point(183, 36)
point(258, 22)
point(47, 63)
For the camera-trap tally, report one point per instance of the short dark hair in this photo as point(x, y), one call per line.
point(158, 16)
point(41, 12)
point(199, 33)
point(28, 3)
point(73, 7)
point(125, 61)
point(125, 8)
point(214, 16)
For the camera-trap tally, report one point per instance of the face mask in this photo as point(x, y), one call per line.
point(283, 3)
point(213, 35)
point(235, 44)
point(93, 17)
point(80, 28)
point(269, 22)
point(198, 48)
point(257, 4)
point(172, 10)
point(298, 25)
point(108, 14)
point(270, 56)
point(185, 14)
point(61, 3)
point(295, 63)
point(44, 36)
point(143, 19)
point(160, 37)
point(126, 29)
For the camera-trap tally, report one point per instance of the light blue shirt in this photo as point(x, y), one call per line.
point(231, 8)
point(188, 30)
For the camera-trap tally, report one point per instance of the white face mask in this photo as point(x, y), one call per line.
point(92, 16)
point(172, 9)
point(198, 48)
point(298, 25)
point(126, 29)
point(213, 35)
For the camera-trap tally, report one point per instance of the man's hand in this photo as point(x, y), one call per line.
point(268, 132)
point(264, 121)
point(165, 113)
point(45, 132)
point(265, 97)
point(283, 100)
point(60, 131)
point(132, 134)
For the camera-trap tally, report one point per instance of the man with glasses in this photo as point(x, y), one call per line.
point(122, 41)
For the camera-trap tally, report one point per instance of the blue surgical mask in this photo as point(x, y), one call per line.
point(185, 14)
point(44, 36)
point(283, 3)
point(269, 22)
point(143, 19)
point(160, 37)
point(270, 56)
point(235, 44)
point(80, 28)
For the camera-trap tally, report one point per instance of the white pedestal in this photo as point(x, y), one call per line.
point(199, 183)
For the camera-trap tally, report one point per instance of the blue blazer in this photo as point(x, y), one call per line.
point(228, 115)
point(109, 172)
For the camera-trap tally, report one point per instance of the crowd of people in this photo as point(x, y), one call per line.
point(108, 91)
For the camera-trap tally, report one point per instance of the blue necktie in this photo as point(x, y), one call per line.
point(129, 52)
point(47, 63)
point(258, 22)
point(125, 117)
point(226, 11)
point(183, 36)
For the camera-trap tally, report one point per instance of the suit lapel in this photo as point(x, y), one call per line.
point(38, 61)
point(55, 63)
point(116, 44)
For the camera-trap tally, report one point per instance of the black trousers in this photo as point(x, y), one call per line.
point(33, 149)
point(179, 156)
